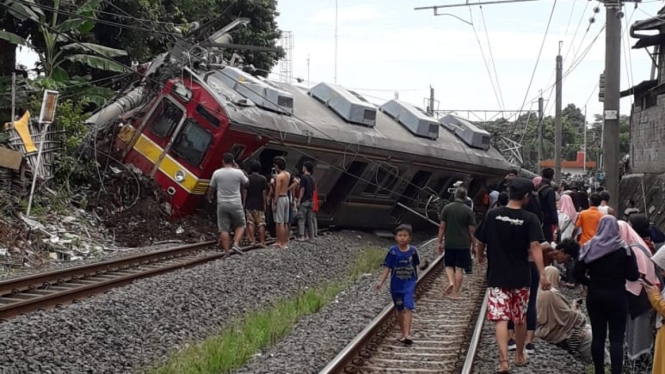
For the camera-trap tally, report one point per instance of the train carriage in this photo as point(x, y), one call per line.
point(370, 161)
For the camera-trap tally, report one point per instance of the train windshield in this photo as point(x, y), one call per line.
point(166, 118)
point(192, 143)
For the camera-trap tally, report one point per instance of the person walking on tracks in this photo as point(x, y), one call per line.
point(401, 264)
point(511, 234)
point(457, 227)
point(280, 203)
point(256, 203)
point(227, 182)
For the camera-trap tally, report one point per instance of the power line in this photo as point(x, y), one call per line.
point(489, 73)
point(258, 132)
point(533, 74)
point(489, 46)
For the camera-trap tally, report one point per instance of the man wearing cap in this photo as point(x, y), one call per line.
point(510, 234)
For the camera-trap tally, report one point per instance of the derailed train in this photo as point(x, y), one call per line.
point(371, 162)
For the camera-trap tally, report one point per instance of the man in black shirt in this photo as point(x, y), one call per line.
point(304, 202)
point(505, 183)
point(256, 202)
point(547, 196)
point(511, 234)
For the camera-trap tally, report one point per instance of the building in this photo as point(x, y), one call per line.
point(574, 168)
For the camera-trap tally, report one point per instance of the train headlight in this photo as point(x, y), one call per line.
point(179, 176)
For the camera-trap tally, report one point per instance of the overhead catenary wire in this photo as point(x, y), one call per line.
point(482, 52)
point(535, 67)
point(258, 132)
point(489, 47)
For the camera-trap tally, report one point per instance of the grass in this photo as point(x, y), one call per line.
point(232, 347)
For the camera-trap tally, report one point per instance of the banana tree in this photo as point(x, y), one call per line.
point(61, 39)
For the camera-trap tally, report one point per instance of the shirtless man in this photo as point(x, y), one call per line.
point(280, 202)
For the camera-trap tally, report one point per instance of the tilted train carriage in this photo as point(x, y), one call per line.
point(367, 159)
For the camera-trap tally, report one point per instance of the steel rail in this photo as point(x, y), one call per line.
point(41, 291)
point(357, 345)
point(475, 339)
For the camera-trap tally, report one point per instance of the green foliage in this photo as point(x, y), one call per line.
point(572, 135)
point(59, 43)
point(158, 14)
point(70, 167)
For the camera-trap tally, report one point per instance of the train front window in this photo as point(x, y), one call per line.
point(192, 143)
point(165, 118)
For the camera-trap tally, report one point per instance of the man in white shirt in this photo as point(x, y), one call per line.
point(228, 182)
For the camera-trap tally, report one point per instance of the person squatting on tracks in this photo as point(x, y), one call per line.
point(458, 224)
point(510, 234)
point(227, 182)
point(401, 263)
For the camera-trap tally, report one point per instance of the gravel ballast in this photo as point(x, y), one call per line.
point(136, 326)
point(318, 338)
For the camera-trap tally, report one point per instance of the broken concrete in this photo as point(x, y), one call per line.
point(646, 189)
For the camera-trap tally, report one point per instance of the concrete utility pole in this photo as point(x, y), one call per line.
point(611, 100)
point(557, 122)
point(540, 129)
point(430, 110)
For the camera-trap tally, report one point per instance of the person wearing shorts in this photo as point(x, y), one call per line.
point(401, 264)
point(281, 204)
point(227, 183)
point(256, 202)
point(458, 224)
point(510, 235)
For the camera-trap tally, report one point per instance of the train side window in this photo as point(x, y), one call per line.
point(165, 119)
point(375, 181)
point(389, 182)
point(237, 150)
point(192, 143)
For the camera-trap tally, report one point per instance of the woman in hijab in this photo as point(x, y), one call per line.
point(605, 264)
point(656, 297)
point(561, 322)
point(567, 216)
point(639, 337)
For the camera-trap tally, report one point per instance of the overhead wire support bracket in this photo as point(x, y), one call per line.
point(435, 7)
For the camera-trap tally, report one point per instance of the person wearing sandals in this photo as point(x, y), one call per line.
point(511, 234)
point(606, 262)
point(401, 264)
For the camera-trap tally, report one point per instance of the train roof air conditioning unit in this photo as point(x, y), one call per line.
point(470, 134)
point(264, 95)
point(412, 118)
point(347, 104)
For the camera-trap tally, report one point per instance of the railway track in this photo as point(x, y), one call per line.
point(56, 288)
point(446, 332)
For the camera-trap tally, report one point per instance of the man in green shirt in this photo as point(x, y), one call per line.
point(458, 224)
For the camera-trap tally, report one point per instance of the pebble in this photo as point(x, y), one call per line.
point(133, 327)
point(318, 338)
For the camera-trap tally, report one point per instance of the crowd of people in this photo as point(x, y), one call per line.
point(245, 198)
point(537, 239)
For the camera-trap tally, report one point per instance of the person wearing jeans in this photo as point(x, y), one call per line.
point(305, 202)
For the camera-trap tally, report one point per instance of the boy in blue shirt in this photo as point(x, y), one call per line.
point(401, 264)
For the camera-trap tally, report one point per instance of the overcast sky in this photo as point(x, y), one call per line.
point(385, 45)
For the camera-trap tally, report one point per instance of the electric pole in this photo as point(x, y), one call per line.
point(540, 130)
point(611, 99)
point(557, 122)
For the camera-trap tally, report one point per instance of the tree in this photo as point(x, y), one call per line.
point(132, 18)
point(525, 131)
point(59, 45)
